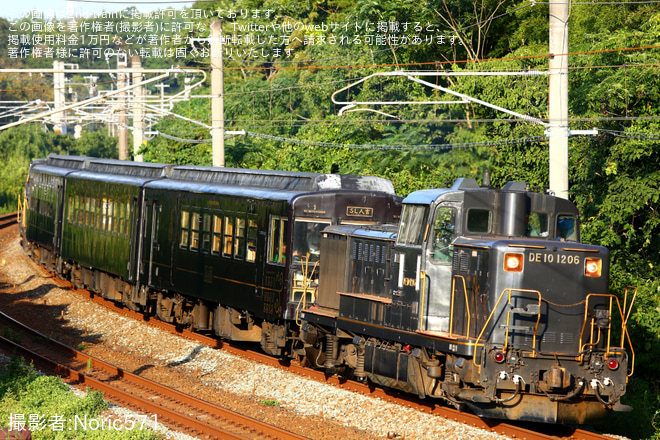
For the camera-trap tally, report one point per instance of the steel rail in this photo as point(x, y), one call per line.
point(239, 421)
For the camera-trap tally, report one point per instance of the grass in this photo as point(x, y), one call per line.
point(45, 404)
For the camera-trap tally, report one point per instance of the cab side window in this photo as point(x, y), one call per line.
point(411, 229)
point(444, 228)
point(566, 228)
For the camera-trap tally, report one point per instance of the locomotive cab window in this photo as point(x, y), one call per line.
point(566, 228)
point(411, 228)
point(277, 240)
point(307, 239)
point(478, 221)
point(537, 224)
point(444, 230)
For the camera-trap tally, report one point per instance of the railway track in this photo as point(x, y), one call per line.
point(8, 219)
point(497, 426)
point(172, 407)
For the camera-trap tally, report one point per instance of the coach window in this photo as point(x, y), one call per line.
point(88, 212)
point(195, 223)
point(412, 220)
point(81, 210)
point(444, 229)
point(566, 228)
point(307, 239)
point(252, 241)
point(127, 221)
point(239, 249)
point(111, 216)
point(228, 236)
point(277, 248)
point(185, 229)
point(99, 214)
point(206, 233)
point(69, 214)
point(217, 234)
point(115, 217)
point(120, 218)
point(478, 221)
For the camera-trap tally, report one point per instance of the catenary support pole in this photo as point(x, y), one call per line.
point(138, 108)
point(558, 98)
point(217, 90)
point(122, 125)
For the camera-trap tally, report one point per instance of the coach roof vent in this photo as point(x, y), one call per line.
point(126, 168)
point(283, 180)
point(71, 162)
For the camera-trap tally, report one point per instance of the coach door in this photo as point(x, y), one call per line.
point(438, 269)
point(150, 245)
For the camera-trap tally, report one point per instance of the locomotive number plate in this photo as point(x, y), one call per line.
point(538, 257)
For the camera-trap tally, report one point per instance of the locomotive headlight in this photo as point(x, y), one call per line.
point(513, 262)
point(593, 267)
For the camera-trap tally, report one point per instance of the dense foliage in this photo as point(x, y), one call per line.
point(284, 104)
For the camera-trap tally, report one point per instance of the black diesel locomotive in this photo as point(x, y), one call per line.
point(477, 296)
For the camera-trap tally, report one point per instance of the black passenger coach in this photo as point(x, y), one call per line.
point(220, 249)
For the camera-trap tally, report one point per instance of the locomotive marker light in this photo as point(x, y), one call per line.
point(498, 356)
point(613, 364)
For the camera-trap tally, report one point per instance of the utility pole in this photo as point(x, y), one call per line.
point(59, 93)
point(558, 98)
point(138, 111)
point(217, 90)
point(122, 131)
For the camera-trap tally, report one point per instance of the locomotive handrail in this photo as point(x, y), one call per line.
point(467, 306)
point(625, 304)
point(476, 343)
point(624, 327)
point(20, 215)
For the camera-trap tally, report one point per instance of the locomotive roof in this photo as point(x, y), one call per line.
point(427, 196)
point(382, 232)
point(467, 185)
